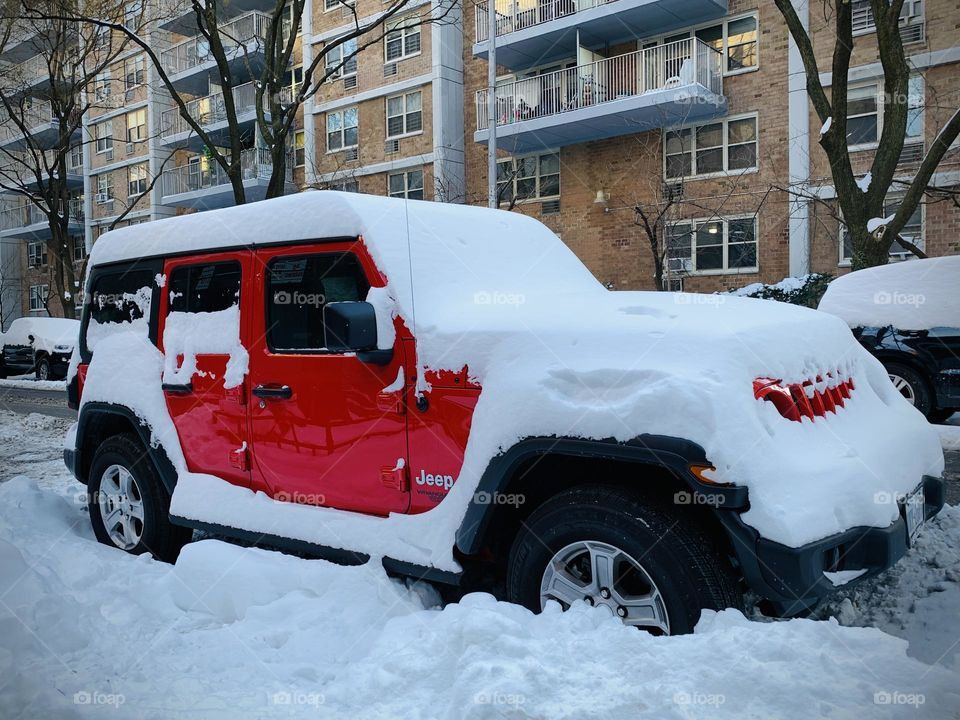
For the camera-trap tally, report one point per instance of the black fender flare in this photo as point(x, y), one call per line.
point(671, 453)
point(91, 412)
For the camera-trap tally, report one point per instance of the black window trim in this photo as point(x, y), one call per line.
point(169, 283)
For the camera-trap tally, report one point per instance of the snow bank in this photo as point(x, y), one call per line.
point(557, 354)
point(910, 295)
point(49, 334)
point(230, 632)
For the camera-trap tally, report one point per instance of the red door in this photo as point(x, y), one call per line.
point(206, 299)
point(326, 429)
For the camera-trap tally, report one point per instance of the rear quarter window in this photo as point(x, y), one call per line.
point(119, 301)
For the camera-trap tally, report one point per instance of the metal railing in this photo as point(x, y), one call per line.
point(242, 34)
point(519, 14)
point(23, 216)
point(33, 116)
point(673, 65)
point(206, 174)
point(31, 71)
point(210, 109)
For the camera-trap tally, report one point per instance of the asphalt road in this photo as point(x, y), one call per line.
point(54, 402)
point(45, 402)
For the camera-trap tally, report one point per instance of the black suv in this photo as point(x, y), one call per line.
point(39, 345)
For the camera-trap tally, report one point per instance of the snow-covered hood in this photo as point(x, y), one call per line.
point(49, 334)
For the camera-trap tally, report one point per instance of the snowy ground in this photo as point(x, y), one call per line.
point(230, 632)
point(30, 382)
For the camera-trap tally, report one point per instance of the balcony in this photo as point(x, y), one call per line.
point(178, 16)
point(210, 112)
point(666, 85)
point(29, 221)
point(40, 121)
point(535, 32)
point(203, 185)
point(187, 63)
point(20, 167)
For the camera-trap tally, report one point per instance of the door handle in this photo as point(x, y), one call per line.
point(278, 392)
point(177, 389)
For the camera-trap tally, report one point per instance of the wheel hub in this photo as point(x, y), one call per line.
point(121, 507)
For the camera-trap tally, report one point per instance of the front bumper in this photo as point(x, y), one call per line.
point(793, 579)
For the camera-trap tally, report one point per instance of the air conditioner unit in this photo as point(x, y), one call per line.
point(912, 153)
point(108, 155)
point(130, 148)
point(346, 10)
point(350, 82)
point(391, 146)
point(912, 32)
point(679, 264)
point(128, 96)
point(550, 207)
point(673, 189)
point(390, 69)
point(103, 198)
point(351, 154)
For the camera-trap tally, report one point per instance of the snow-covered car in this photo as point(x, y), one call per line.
point(448, 390)
point(907, 315)
point(41, 345)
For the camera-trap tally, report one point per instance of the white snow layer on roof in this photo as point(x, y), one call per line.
point(47, 333)
point(557, 354)
point(910, 295)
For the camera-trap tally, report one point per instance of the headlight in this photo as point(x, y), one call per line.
point(62, 349)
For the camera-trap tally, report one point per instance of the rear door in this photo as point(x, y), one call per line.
point(205, 302)
point(326, 428)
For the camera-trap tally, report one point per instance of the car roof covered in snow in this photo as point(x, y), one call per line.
point(47, 332)
point(910, 295)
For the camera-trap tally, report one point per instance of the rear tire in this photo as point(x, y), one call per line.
point(655, 552)
point(129, 506)
point(911, 385)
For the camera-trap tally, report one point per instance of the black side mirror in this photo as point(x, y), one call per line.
point(349, 327)
point(30, 338)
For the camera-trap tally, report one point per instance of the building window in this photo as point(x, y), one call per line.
point(530, 177)
point(714, 245)
point(863, 22)
point(735, 39)
point(865, 113)
point(299, 148)
point(338, 59)
point(406, 185)
point(912, 231)
point(720, 147)
point(402, 40)
point(38, 297)
point(75, 158)
point(133, 14)
point(342, 129)
point(136, 126)
point(104, 135)
point(37, 254)
point(134, 70)
point(344, 186)
point(329, 5)
point(101, 37)
point(102, 86)
point(404, 114)
point(79, 248)
point(104, 188)
point(136, 180)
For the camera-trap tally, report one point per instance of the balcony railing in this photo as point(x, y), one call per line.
point(254, 163)
point(244, 33)
point(210, 109)
point(519, 14)
point(29, 214)
point(33, 116)
point(673, 65)
point(31, 71)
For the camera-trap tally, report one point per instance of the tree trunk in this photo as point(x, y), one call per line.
point(867, 250)
point(278, 174)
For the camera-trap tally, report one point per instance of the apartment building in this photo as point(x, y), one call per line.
point(696, 109)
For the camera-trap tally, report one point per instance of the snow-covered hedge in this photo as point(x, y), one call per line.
point(806, 290)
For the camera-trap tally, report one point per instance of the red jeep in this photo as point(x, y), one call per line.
point(272, 372)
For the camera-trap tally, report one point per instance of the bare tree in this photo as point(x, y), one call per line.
point(43, 103)
point(862, 203)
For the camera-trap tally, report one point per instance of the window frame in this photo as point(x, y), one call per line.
point(37, 248)
point(724, 23)
point(343, 129)
point(341, 51)
point(538, 197)
point(196, 263)
point(300, 148)
point(916, 102)
point(405, 114)
point(103, 85)
point(107, 140)
point(695, 223)
point(406, 27)
point(105, 186)
point(144, 180)
point(407, 188)
point(40, 293)
point(692, 151)
point(136, 114)
point(139, 71)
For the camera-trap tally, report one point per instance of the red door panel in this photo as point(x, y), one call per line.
point(338, 440)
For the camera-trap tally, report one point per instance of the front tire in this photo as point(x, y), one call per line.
point(129, 506)
point(652, 567)
point(42, 368)
point(911, 385)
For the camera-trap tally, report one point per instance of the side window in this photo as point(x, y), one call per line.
point(298, 288)
point(119, 302)
point(208, 287)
